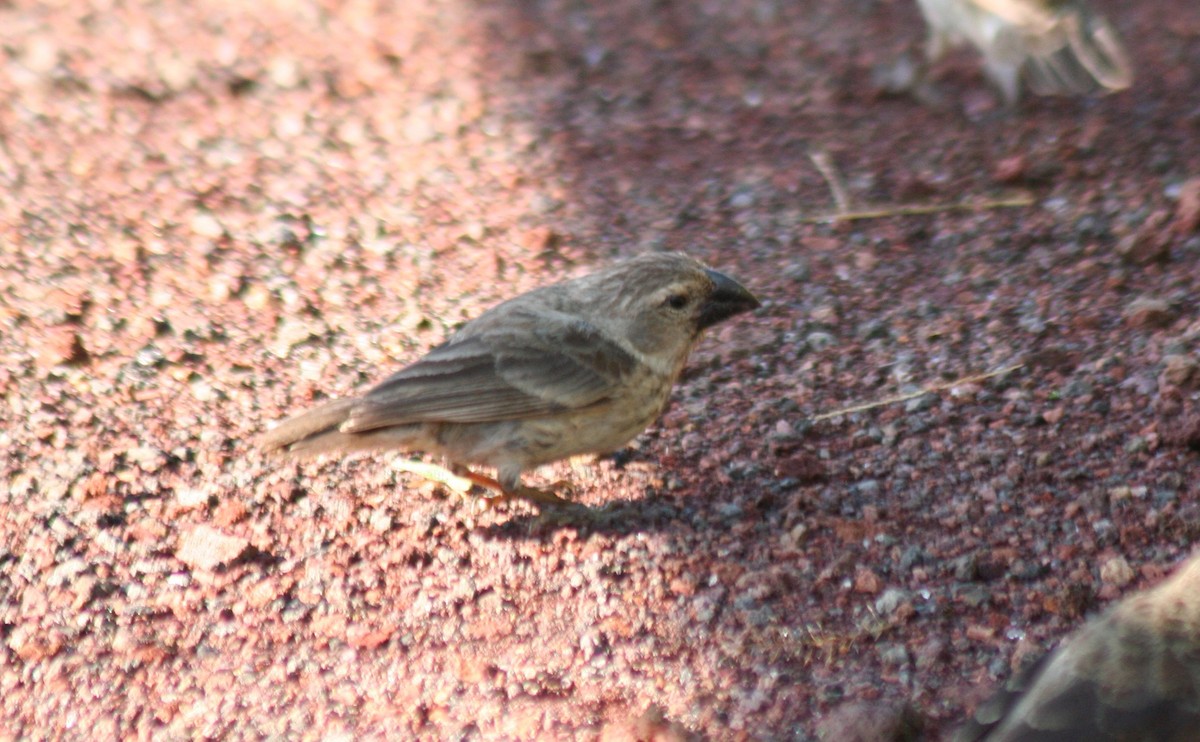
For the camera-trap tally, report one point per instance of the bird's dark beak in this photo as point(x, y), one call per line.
point(728, 298)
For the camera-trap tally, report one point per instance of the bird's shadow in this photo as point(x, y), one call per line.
point(650, 513)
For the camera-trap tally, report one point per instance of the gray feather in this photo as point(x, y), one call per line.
point(498, 376)
point(309, 433)
point(1133, 674)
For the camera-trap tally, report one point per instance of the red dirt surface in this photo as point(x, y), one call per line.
point(215, 214)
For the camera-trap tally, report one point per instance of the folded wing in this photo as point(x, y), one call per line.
point(499, 376)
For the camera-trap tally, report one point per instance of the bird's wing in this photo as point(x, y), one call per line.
point(500, 375)
point(1132, 674)
point(1118, 683)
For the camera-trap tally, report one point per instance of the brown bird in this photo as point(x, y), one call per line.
point(1057, 46)
point(1132, 674)
point(578, 367)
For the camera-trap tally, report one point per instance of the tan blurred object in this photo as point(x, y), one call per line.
point(578, 367)
point(1132, 674)
point(1058, 47)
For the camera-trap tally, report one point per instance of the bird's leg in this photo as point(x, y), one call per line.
point(936, 44)
point(509, 487)
point(536, 495)
point(1006, 76)
point(435, 473)
point(545, 496)
point(462, 480)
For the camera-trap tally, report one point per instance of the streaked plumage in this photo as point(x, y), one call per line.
point(578, 367)
point(1130, 675)
point(1055, 46)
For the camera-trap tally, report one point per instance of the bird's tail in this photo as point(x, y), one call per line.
point(314, 432)
point(1092, 60)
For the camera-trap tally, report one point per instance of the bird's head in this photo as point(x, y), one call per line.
point(663, 301)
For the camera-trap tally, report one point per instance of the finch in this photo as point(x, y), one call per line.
point(1057, 46)
point(573, 368)
point(1132, 674)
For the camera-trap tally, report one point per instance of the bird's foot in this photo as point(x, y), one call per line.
point(537, 495)
point(463, 480)
point(548, 495)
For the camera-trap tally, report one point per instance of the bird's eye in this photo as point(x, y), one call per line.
point(676, 301)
